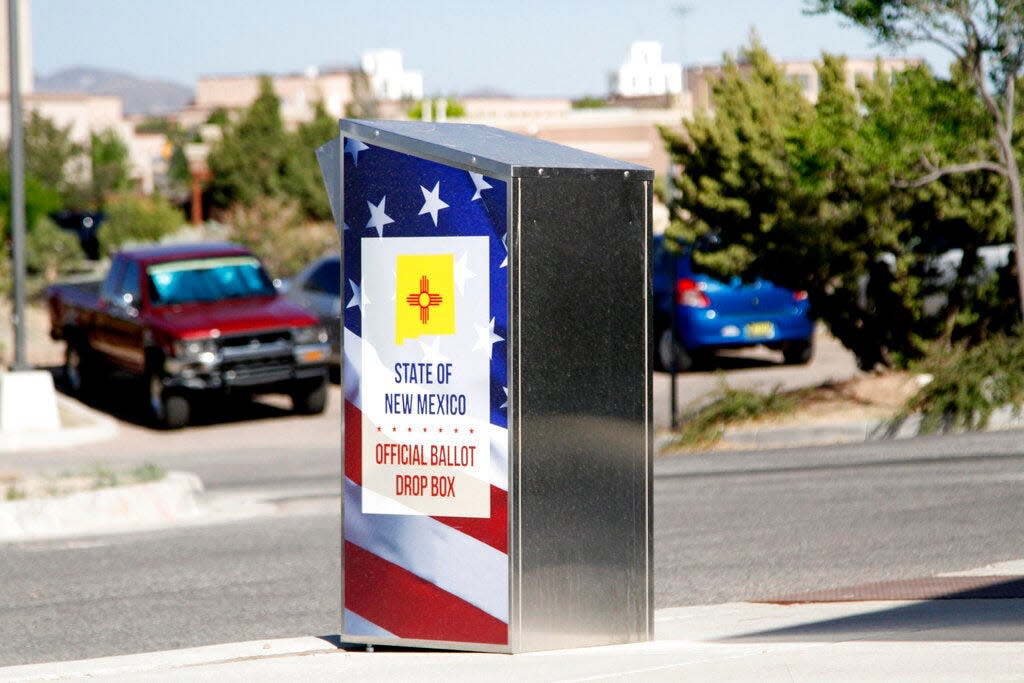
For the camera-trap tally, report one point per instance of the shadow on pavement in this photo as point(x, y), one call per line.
point(992, 611)
point(732, 360)
point(123, 398)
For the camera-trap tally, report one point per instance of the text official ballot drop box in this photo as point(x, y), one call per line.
point(497, 422)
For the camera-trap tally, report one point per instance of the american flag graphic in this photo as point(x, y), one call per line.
point(412, 570)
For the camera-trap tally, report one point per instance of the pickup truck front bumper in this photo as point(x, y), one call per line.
point(252, 366)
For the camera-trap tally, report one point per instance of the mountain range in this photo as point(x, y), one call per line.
point(140, 96)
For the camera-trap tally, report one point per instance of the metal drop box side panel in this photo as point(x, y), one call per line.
point(561, 554)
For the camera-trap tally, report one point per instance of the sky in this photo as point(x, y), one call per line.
point(517, 47)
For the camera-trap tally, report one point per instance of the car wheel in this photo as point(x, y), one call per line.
point(798, 352)
point(310, 398)
point(666, 347)
point(167, 409)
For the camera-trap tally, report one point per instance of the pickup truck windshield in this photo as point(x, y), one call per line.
point(211, 279)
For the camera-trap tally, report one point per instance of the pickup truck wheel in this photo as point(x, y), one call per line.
point(683, 360)
point(310, 398)
point(73, 369)
point(78, 372)
point(167, 409)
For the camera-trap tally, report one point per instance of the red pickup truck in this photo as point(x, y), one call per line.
point(190, 319)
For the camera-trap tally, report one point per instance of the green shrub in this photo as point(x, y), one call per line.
point(51, 251)
point(105, 478)
point(148, 472)
point(969, 384)
point(137, 220)
point(275, 231)
point(707, 424)
point(6, 274)
point(15, 493)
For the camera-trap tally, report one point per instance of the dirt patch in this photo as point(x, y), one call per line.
point(865, 397)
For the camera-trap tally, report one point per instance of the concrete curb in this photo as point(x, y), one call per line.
point(79, 424)
point(784, 436)
point(120, 508)
point(166, 661)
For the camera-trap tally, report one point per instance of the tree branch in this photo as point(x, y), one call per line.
point(936, 172)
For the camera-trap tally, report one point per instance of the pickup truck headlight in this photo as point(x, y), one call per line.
point(315, 334)
point(201, 350)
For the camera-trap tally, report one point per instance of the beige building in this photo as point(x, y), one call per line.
point(624, 133)
point(392, 85)
point(298, 93)
point(700, 79)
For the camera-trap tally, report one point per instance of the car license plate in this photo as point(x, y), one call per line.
point(760, 330)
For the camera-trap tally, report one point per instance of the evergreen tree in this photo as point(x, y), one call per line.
point(804, 195)
point(986, 38)
point(252, 157)
point(302, 179)
point(109, 157)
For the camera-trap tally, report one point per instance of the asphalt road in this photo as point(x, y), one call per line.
point(728, 526)
point(747, 526)
point(122, 594)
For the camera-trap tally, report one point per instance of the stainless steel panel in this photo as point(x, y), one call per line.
point(581, 445)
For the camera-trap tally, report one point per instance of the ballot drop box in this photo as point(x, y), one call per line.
point(496, 314)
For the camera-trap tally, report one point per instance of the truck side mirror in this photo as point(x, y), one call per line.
point(128, 304)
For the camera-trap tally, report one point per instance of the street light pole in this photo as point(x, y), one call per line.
point(17, 159)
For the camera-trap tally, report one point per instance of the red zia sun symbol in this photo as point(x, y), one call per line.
point(424, 299)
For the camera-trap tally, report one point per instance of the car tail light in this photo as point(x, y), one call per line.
point(800, 296)
point(688, 294)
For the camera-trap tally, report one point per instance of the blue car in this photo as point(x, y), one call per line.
point(711, 315)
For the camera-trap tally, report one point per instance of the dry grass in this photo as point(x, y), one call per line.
point(875, 395)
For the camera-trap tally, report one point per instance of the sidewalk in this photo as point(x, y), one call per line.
point(939, 640)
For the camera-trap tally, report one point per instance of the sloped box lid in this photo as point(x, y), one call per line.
point(495, 151)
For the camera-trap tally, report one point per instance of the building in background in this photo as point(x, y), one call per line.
point(391, 82)
point(644, 74)
point(700, 79)
point(299, 94)
point(387, 83)
point(82, 114)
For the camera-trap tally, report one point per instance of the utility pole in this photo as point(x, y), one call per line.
point(17, 159)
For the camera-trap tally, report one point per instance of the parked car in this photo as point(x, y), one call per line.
point(318, 289)
point(712, 315)
point(188, 320)
point(86, 226)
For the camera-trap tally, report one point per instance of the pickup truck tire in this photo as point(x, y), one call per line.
point(79, 370)
point(167, 409)
point(310, 398)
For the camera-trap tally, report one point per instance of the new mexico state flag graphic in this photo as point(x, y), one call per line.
point(424, 295)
